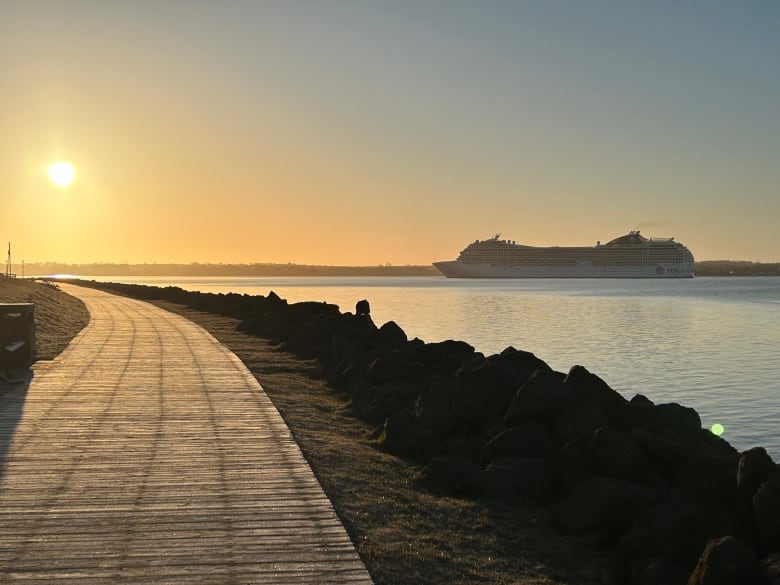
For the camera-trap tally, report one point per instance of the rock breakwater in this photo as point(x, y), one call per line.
point(671, 501)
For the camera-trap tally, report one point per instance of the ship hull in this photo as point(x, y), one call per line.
point(458, 269)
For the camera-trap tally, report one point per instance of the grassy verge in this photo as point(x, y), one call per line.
point(403, 533)
point(58, 316)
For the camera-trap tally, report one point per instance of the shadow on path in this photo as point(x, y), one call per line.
point(13, 392)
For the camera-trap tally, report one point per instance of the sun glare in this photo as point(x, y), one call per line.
point(62, 174)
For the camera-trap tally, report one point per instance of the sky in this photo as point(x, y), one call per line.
point(360, 132)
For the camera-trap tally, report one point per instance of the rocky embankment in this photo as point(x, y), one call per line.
point(674, 503)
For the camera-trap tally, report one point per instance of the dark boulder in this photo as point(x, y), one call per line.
point(298, 326)
point(444, 357)
point(360, 328)
point(726, 561)
point(616, 454)
point(713, 442)
point(352, 372)
point(604, 505)
point(379, 370)
point(343, 350)
point(711, 485)
point(391, 397)
point(318, 337)
point(521, 481)
point(640, 402)
point(755, 466)
point(481, 393)
point(578, 421)
point(391, 335)
point(453, 476)
point(273, 300)
point(637, 412)
point(353, 346)
point(590, 389)
point(575, 463)
point(518, 364)
point(399, 436)
point(362, 307)
point(769, 567)
point(671, 530)
point(672, 418)
point(433, 407)
point(539, 399)
point(668, 451)
point(392, 367)
point(657, 572)
point(406, 370)
point(362, 393)
point(529, 440)
point(766, 504)
point(470, 444)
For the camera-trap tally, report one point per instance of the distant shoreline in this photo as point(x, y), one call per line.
point(245, 270)
point(736, 268)
point(703, 268)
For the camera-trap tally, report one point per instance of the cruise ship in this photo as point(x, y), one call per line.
point(628, 256)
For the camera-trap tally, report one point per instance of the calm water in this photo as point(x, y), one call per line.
point(709, 343)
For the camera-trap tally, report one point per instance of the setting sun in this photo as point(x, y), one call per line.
point(62, 174)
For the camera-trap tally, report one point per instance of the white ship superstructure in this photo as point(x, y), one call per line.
point(628, 256)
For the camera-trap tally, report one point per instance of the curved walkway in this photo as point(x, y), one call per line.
point(147, 453)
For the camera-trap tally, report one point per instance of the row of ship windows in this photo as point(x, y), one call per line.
point(571, 261)
point(586, 255)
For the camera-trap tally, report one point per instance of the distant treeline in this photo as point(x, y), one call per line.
point(197, 269)
point(704, 268)
point(736, 268)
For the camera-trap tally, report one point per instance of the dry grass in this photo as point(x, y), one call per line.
point(58, 317)
point(403, 534)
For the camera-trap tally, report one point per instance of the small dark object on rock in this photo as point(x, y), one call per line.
point(362, 308)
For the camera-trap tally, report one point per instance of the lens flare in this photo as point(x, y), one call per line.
point(717, 429)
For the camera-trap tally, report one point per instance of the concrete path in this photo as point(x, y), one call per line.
point(147, 453)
